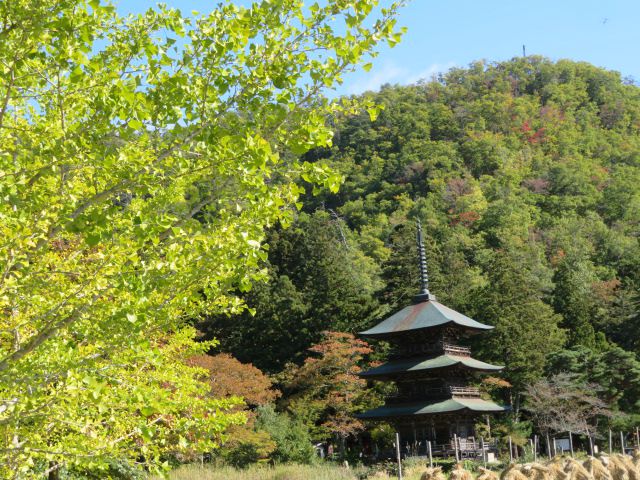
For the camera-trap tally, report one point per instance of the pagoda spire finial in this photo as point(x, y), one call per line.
point(424, 294)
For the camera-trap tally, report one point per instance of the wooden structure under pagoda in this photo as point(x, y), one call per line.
point(432, 372)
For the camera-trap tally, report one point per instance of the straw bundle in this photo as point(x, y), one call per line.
point(556, 469)
point(526, 470)
point(597, 469)
point(617, 468)
point(630, 465)
point(512, 473)
point(576, 471)
point(433, 474)
point(459, 473)
point(540, 472)
point(487, 474)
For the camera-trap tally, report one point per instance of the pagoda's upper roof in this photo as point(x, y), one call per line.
point(423, 315)
point(418, 364)
point(431, 408)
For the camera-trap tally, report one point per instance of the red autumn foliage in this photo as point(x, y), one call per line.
point(465, 218)
point(532, 136)
point(328, 382)
point(538, 136)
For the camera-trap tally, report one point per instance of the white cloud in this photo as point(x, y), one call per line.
point(390, 72)
point(429, 72)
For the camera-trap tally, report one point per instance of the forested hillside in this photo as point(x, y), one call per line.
point(526, 177)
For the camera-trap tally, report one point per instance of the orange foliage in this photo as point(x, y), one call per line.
point(229, 377)
point(605, 290)
point(495, 382)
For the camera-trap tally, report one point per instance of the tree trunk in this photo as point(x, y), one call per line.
point(54, 471)
point(516, 408)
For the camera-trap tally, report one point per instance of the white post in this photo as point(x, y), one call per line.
point(484, 454)
point(398, 456)
point(455, 446)
point(571, 443)
point(429, 451)
point(610, 442)
point(622, 442)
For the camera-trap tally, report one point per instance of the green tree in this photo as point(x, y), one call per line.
point(574, 299)
point(140, 160)
point(615, 371)
point(526, 329)
point(627, 309)
point(291, 436)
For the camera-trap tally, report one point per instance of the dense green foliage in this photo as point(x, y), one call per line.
point(291, 436)
point(526, 177)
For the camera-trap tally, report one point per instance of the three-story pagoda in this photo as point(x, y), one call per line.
point(432, 372)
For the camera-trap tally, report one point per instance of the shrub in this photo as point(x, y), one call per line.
point(293, 442)
point(248, 447)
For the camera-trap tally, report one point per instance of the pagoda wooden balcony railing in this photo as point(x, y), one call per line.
point(456, 350)
point(433, 393)
point(432, 348)
point(465, 391)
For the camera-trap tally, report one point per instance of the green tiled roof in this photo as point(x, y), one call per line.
point(431, 408)
point(412, 365)
point(421, 316)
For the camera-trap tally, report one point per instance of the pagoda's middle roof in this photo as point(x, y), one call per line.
point(413, 365)
point(423, 315)
point(433, 408)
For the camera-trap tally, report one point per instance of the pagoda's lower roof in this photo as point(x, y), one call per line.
point(423, 315)
point(433, 408)
point(420, 364)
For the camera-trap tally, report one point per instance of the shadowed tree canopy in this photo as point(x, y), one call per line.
point(319, 279)
point(526, 329)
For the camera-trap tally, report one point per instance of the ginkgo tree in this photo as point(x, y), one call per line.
point(141, 158)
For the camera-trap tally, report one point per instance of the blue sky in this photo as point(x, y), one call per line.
point(447, 33)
